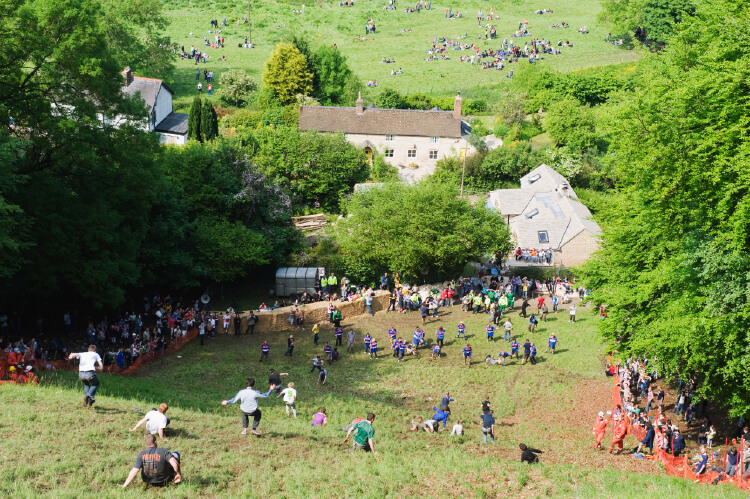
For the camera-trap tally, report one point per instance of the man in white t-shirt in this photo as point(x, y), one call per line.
point(89, 361)
point(290, 399)
point(156, 421)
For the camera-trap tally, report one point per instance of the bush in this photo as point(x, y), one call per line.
point(236, 87)
point(242, 118)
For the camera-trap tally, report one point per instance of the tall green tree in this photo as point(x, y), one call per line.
point(135, 34)
point(658, 17)
point(432, 239)
point(334, 77)
point(194, 119)
point(209, 122)
point(571, 124)
point(236, 87)
point(287, 73)
point(674, 268)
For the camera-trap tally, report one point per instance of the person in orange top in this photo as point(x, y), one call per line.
point(621, 429)
point(600, 427)
point(15, 358)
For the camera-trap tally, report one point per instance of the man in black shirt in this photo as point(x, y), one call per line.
point(526, 351)
point(237, 324)
point(529, 455)
point(158, 466)
point(274, 378)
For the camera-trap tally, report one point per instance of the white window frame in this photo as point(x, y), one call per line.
point(434, 140)
point(389, 153)
point(433, 154)
point(411, 153)
point(546, 236)
point(390, 138)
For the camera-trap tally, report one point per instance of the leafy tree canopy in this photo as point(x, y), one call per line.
point(287, 73)
point(674, 269)
point(423, 230)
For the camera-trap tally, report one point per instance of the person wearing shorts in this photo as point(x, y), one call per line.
point(290, 399)
point(158, 466)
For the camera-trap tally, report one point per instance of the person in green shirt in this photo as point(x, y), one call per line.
point(363, 434)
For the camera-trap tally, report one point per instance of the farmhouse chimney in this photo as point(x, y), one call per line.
point(128, 76)
point(360, 104)
point(457, 105)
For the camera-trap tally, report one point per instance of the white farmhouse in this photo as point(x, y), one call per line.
point(172, 127)
point(545, 213)
point(411, 140)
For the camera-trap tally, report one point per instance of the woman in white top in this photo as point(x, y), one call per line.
point(89, 361)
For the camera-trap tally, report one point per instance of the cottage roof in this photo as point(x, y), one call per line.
point(510, 201)
point(174, 123)
point(375, 121)
point(545, 179)
point(148, 89)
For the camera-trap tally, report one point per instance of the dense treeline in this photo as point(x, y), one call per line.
point(674, 269)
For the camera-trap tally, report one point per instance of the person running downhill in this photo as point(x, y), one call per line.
point(248, 399)
point(490, 332)
point(290, 399)
point(89, 361)
point(467, 354)
point(552, 343)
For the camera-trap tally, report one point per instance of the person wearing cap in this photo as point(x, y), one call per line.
point(158, 466)
point(88, 363)
point(600, 428)
point(156, 420)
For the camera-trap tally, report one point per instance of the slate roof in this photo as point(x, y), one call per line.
point(174, 123)
point(548, 180)
point(375, 121)
point(148, 88)
point(509, 201)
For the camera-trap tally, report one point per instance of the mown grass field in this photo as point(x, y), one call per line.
point(53, 447)
point(406, 37)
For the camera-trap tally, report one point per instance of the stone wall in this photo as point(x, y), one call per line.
point(577, 250)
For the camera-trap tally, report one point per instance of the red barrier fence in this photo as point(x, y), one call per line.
point(140, 361)
point(680, 465)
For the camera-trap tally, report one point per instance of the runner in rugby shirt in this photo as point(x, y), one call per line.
point(514, 346)
point(368, 339)
point(339, 337)
point(364, 434)
point(417, 337)
point(526, 351)
point(435, 352)
point(440, 333)
point(392, 334)
point(401, 349)
point(374, 349)
point(533, 354)
point(490, 332)
point(264, 349)
point(461, 330)
point(467, 354)
point(551, 343)
point(328, 350)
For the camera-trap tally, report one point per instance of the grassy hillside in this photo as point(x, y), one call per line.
point(52, 446)
point(406, 37)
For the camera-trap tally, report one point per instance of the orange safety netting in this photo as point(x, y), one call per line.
point(679, 465)
point(140, 361)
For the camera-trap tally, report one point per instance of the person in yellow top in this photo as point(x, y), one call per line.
point(316, 333)
point(477, 303)
point(332, 283)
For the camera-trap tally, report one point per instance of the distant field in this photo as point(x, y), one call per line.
point(52, 447)
point(326, 23)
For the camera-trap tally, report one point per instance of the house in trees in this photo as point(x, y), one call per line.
point(172, 127)
point(545, 213)
point(411, 140)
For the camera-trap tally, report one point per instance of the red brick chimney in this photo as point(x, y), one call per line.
point(360, 104)
point(127, 76)
point(457, 105)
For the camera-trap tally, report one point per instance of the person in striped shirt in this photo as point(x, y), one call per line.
point(467, 354)
point(368, 339)
point(265, 348)
point(328, 350)
point(461, 330)
point(490, 332)
point(392, 334)
point(440, 333)
point(401, 349)
point(435, 352)
point(374, 349)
